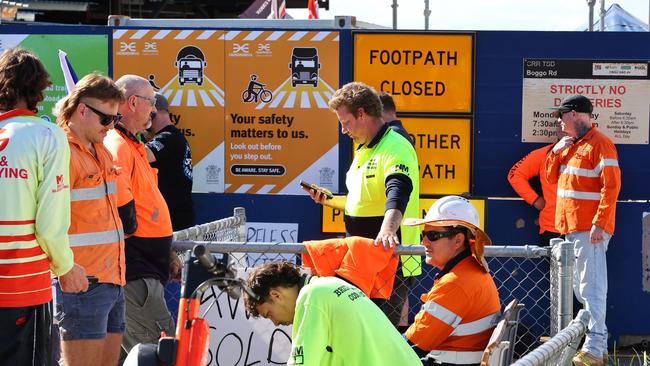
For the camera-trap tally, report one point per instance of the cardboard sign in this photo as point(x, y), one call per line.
point(423, 72)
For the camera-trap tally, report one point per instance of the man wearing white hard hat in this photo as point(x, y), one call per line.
point(461, 310)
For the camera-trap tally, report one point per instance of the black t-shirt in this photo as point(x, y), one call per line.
point(174, 164)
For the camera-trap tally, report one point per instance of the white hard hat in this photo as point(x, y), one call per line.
point(449, 208)
point(456, 211)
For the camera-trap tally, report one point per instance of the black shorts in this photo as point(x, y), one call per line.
point(25, 335)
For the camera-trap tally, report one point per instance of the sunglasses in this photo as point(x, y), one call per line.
point(105, 119)
point(151, 100)
point(436, 235)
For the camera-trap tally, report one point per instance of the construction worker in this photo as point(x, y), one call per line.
point(169, 152)
point(533, 166)
point(585, 166)
point(382, 183)
point(461, 310)
point(335, 323)
point(389, 115)
point(91, 323)
point(35, 214)
point(145, 218)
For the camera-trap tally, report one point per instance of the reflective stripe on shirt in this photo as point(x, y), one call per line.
point(477, 326)
point(87, 194)
point(590, 173)
point(455, 357)
point(98, 238)
point(442, 313)
point(566, 193)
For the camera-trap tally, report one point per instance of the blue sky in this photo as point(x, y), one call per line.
point(542, 15)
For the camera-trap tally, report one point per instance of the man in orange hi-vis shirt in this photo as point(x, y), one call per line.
point(585, 166)
point(530, 167)
point(461, 310)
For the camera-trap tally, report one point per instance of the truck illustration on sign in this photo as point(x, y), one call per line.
point(190, 63)
point(304, 66)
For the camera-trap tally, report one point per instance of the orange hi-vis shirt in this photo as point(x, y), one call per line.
point(588, 182)
point(355, 259)
point(531, 166)
point(137, 181)
point(460, 311)
point(95, 232)
point(35, 211)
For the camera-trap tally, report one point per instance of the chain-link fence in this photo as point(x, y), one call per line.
point(559, 350)
point(527, 273)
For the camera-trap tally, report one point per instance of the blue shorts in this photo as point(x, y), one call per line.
point(90, 314)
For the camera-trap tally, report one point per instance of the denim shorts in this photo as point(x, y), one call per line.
point(90, 314)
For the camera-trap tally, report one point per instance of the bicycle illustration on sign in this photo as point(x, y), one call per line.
point(256, 90)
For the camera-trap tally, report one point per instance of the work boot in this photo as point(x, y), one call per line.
point(583, 358)
point(605, 359)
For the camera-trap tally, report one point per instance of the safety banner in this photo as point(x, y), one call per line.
point(332, 218)
point(279, 129)
point(423, 72)
point(186, 66)
point(619, 91)
point(86, 53)
point(443, 146)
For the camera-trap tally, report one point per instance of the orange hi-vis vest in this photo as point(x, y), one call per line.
point(531, 166)
point(95, 232)
point(137, 181)
point(355, 259)
point(588, 181)
point(458, 314)
point(35, 211)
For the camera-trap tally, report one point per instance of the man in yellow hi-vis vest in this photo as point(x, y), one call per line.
point(382, 184)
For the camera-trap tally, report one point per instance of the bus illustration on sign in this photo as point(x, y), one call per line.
point(190, 63)
point(304, 66)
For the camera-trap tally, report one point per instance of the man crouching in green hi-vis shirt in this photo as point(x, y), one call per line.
point(335, 323)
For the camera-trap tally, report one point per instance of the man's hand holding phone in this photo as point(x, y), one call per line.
point(318, 194)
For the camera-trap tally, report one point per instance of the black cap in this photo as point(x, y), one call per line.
point(578, 103)
point(161, 102)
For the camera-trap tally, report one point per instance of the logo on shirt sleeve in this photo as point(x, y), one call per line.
point(298, 356)
point(60, 184)
point(401, 168)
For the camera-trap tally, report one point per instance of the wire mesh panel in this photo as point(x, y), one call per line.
point(559, 350)
point(520, 273)
point(229, 229)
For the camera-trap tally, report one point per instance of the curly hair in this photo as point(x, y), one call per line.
point(22, 78)
point(267, 276)
point(357, 95)
point(90, 86)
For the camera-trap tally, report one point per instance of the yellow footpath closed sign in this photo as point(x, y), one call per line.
point(332, 219)
point(423, 72)
point(443, 146)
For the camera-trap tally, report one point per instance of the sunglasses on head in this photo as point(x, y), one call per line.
point(105, 119)
point(437, 235)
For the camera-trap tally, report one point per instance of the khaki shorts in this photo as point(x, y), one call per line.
point(146, 312)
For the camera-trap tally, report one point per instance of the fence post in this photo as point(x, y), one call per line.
point(240, 212)
point(566, 262)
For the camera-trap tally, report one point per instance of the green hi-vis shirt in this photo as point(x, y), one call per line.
point(336, 324)
point(366, 183)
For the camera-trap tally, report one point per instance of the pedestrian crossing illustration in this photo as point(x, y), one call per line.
point(300, 96)
point(192, 95)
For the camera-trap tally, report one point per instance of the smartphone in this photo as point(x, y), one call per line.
point(322, 190)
